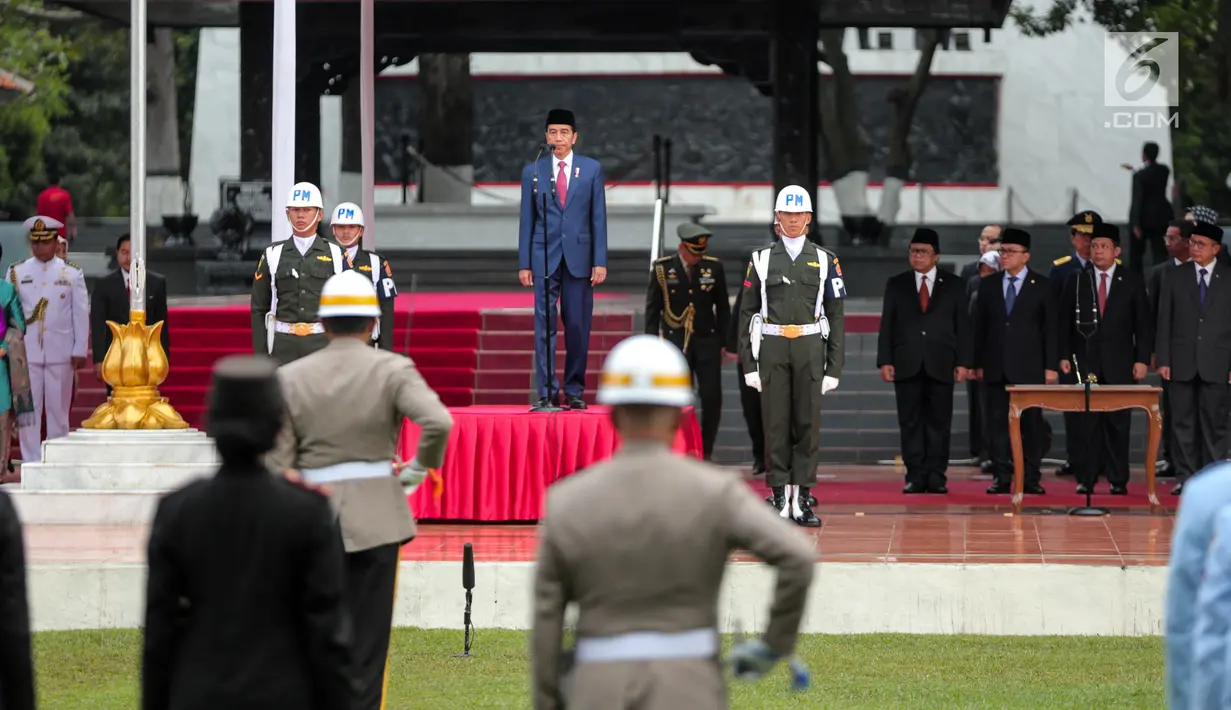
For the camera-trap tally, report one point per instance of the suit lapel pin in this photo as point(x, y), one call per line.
point(1031, 280)
point(576, 172)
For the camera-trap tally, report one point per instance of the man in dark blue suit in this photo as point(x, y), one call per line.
point(563, 252)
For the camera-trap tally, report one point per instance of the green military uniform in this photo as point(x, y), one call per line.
point(298, 282)
point(689, 306)
point(791, 365)
point(376, 267)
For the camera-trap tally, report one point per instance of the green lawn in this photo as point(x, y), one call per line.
point(97, 670)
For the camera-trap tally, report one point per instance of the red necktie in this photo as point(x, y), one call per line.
point(923, 294)
point(1102, 294)
point(561, 184)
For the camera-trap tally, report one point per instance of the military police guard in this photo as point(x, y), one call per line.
point(687, 303)
point(286, 288)
point(345, 404)
point(57, 309)
point(793, 348)
point(1081, 228)
point(348, 226)
point(645, 570)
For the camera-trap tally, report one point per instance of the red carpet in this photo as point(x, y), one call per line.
point(875, 490)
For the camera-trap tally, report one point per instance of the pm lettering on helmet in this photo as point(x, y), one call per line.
point(794, 199)
point(345, 212)
point(304, 195)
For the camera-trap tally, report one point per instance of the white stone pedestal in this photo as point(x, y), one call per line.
point(95, 477)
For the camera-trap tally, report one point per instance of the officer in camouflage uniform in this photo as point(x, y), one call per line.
point(687, 304)
point(286, 289)
point(792, 345)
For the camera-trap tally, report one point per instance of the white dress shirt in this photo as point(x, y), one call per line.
point(1098, 278)
point(931, 277)
point(794, 245)
point(1209, 272)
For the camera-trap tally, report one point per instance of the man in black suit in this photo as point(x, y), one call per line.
point(1176, 241)
point(245, 599)
point(1150, 210)
point(1107, 332)
point(923, 348)
point(1015, 344)
point(1193, 352)
point(110, 303)
point(989, 242)
point(16, 662)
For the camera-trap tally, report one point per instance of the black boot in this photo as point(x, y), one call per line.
point(802, 509)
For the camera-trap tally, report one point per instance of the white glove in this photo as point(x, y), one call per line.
point(753, 380)
point(829, 384)
point(411, 475)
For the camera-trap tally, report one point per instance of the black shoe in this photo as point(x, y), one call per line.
point(806, 517)
point(540, 405)
point(1035, 489)
point(1065, 470)
point(777, 497)
point(912, 488)
point(986, 467)
point(1164, 469)
point(1178, 490)
point(576, 403)
point(998, 488)
point(941, 489)
point(1119, 490)
point(1082, 489)
point(758, 468)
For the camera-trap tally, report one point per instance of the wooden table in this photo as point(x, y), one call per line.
point(1072, 398)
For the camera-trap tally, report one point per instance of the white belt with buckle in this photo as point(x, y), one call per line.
point(791, 331)
point(300, 329)
point(648, 646)
point(349, 471)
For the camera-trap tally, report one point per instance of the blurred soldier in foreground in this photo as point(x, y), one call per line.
point(646, 570)
point(245, 606)
point(347, 225)
point(16, 666)
point(345, 405)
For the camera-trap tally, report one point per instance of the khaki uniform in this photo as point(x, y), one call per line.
point(298, 282)
point(345, 406)
point(792, 369)
point(652, 563)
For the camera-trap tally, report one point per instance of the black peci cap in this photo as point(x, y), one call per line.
point(246, 407)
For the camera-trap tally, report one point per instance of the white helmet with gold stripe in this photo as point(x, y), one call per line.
point(349, 295)
point(645, 369)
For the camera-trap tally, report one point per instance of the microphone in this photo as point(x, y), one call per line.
point(467, 584)
point(468, 567)
point(535, 180)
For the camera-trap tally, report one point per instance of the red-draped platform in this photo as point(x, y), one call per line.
point(501, 459)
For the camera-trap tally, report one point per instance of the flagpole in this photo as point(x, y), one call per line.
point(282, 151)
point(367, 116)
point(135, 363)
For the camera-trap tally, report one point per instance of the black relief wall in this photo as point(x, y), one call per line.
point(720, 126)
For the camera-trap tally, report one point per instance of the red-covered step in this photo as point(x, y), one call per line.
point(524, 340)
point(524, 360)
point(599, 322)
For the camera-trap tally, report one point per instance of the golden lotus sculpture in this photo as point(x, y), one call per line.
point(134, 366)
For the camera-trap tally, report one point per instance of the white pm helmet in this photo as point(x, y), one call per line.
point(349, 294)
point(645, 369)
point(345, 214)
point(793, 198)
point(305, 194)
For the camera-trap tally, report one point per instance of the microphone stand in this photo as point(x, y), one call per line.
point(1087, 329)
point(550, 351)
point(468, 629)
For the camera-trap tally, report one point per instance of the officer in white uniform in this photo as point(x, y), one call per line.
point(57, 308)
point(346, 222)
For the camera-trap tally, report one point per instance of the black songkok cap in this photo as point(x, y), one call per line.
point(1209, 231)
point(1106, 230)
point(927, 236)
point(561, 117)
point(246, 407)
point(1012, 235)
